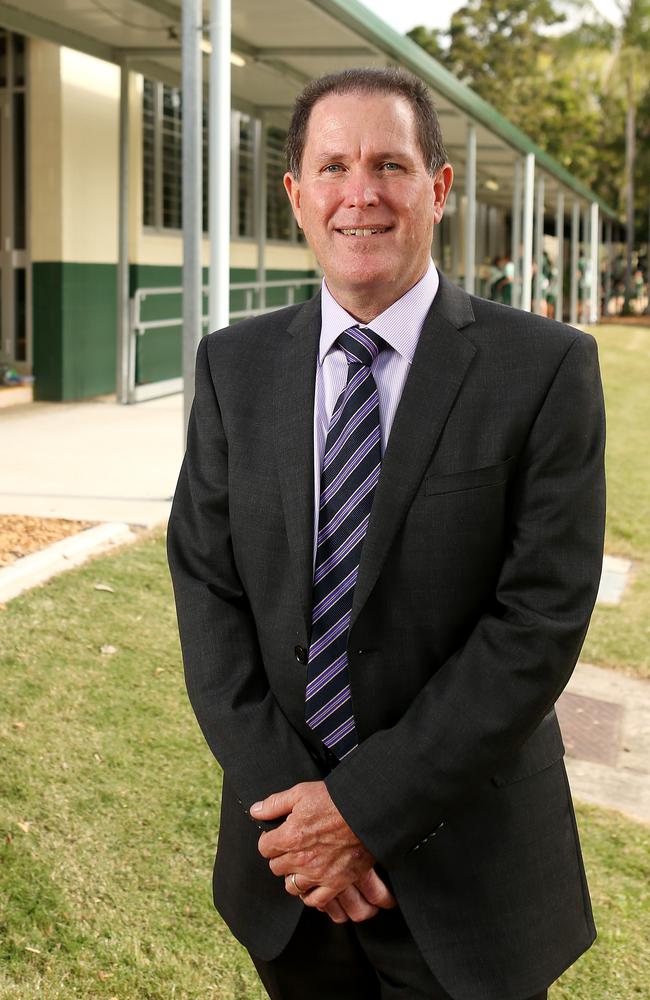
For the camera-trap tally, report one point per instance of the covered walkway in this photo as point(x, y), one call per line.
point(250, 58)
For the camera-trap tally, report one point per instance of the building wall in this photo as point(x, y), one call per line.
point(73, 132)
point(73, 127)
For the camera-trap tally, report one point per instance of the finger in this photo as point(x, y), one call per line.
point(375, 890)
point(299, 887)
point(320, 897)
point(355, 905)
point(296, 861)
point(276, 805)
point(335, 912)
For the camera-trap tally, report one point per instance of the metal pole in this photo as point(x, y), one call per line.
point(470, 214)
point(260, 205)
point(594, 289)
point(516, 234)
point(575, 238)
point(559, 234)
point(455, 243)
point(123, 314)
point(647, 265)
point(608, 264)
point(539, 244)
point(192, 193)
point(529, 196)
point(219, 164)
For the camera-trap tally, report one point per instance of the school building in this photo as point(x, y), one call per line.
point(91, 161)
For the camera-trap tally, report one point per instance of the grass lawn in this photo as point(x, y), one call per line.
point(110, 811)
point(620, 636)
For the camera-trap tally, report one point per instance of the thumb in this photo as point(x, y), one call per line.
point(375, 891)
point(275, 805)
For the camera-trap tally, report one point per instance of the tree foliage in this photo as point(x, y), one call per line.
point(560, 72)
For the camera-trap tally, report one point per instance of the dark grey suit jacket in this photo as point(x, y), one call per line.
point(478, 576)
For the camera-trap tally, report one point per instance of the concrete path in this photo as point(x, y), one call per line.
point(93, 461)
point(605, 721)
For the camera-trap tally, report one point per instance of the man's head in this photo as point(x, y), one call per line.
point(367, 181)
point(368, 82)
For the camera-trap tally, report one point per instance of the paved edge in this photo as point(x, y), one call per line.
point(28, 572)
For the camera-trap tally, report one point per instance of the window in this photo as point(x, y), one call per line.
point(162, 157)
point(243, 174)
point(279, 216)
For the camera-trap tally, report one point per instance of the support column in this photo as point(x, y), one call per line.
point(539, 244)
point(575, 239)
point(192, 194)
point(219, 164)
point(594, 256)
point(260, 205)
point(559, 235)
point(470, 213)
point(529, 196)
point(608, 264)
point(515, 230)
point(455, 243)
point(123, 315)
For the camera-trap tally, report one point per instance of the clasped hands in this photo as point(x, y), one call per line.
point(320, 857)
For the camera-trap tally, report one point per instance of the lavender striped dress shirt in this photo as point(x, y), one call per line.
point(400, 326)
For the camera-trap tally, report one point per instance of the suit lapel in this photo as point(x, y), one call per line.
point(440, 363)
point(294, 441)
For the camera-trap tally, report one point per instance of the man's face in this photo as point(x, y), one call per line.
point(365, 200)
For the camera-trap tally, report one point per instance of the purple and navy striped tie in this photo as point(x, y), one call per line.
point(351, 466)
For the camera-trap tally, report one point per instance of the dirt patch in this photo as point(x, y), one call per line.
point(19, 535)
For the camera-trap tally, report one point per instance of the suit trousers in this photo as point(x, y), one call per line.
point(373, 960)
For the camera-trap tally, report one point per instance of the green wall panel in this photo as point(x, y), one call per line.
point(159, 351)
point(75, 315)
point(75, 324)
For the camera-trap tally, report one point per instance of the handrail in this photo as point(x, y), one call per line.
point(139, 326)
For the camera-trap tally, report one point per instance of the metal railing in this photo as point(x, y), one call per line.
point(139, 327)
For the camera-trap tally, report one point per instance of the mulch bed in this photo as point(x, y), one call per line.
point(21, 535)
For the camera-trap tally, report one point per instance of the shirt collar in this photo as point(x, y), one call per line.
point(400, 325)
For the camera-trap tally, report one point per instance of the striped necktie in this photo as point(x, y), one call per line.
point(351, 466)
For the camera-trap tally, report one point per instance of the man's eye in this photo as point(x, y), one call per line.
point(390, 166)
point(333, 168)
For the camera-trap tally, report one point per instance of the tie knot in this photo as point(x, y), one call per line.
point(361, 345)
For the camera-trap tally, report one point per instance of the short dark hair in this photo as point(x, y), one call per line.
point(369, 81)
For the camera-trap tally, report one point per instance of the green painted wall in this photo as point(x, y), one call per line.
point(75, 324)
point(159, 350)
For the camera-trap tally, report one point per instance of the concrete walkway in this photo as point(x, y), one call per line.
point(97, 461)
point(605, 721)
point(93, 461)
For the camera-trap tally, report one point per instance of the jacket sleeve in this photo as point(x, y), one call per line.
point(241, 720)
point(481, 706)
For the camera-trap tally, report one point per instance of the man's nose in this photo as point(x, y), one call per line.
point(361, 190)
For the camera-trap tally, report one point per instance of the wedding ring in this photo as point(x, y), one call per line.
point(296, 886)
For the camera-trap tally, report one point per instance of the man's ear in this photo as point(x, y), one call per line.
point(441, 187)
point(292, 187)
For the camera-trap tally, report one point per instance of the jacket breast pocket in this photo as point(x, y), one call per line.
point(541, 750)
point(470, 479)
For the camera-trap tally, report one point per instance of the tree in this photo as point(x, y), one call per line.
point(582, 94)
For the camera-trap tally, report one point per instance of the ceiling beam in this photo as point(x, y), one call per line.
point(307, 51)
point(163, 7)
point(39, 27)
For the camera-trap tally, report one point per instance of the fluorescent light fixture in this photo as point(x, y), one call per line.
point(235, 58)
point(491, 184)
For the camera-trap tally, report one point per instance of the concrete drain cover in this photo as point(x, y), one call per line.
point(591, 728)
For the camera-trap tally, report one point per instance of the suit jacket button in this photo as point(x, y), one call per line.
point(302, 654)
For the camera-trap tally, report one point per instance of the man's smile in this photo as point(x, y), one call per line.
point(364, 231)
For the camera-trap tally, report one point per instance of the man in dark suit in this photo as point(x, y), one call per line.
point(385, 546)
